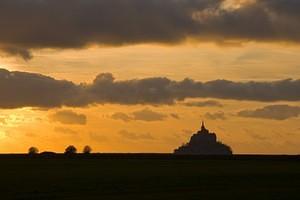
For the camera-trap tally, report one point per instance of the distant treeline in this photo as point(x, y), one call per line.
point(70, 150)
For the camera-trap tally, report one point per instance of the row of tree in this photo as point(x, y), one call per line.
point(69, 150)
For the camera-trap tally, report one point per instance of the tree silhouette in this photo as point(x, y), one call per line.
point(70, 150)
point(87, 149)
point(33, 151)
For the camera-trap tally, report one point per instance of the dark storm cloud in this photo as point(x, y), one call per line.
point(29, 24)
point(276, 112)
point(22, 89)
point(77, 23)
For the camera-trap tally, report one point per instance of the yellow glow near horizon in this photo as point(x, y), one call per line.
point(251, 61)
point(102, 132)
point(2, 134)
point(210, 41)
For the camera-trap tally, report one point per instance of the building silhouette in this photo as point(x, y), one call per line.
point(204, 143)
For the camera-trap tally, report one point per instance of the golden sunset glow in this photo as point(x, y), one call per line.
point(204, 46)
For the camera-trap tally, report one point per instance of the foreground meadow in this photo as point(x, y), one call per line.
point(148, 177)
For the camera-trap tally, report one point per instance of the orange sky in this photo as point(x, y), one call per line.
point(21, 128)
point(248, 126)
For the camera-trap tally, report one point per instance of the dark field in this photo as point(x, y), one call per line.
point(149, 177)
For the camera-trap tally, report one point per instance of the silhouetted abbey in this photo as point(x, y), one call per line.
point(204, 143)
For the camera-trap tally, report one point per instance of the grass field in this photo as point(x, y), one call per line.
point(149, 177)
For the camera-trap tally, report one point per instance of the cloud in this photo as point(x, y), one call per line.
point(80, 23)
point(141, 115)
point(135, 136)
point(22, 89)
point(275, 112)
point(161, 90)
point(68, 117)
point(148, 115)
point(215, 116)
point(121, 116)
point(16, 51)
point(208, 103)
point(175, 116)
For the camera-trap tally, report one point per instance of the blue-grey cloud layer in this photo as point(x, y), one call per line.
point(275, 112)
point(22, 89)
point(29, 24)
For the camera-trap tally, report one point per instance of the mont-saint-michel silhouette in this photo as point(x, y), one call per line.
point(204, 143)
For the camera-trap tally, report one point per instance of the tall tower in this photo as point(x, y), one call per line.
point(203, 126)
point(203, 129)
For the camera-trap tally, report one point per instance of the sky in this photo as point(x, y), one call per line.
point(141, 75)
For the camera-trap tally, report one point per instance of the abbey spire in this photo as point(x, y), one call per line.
point(203, 126)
